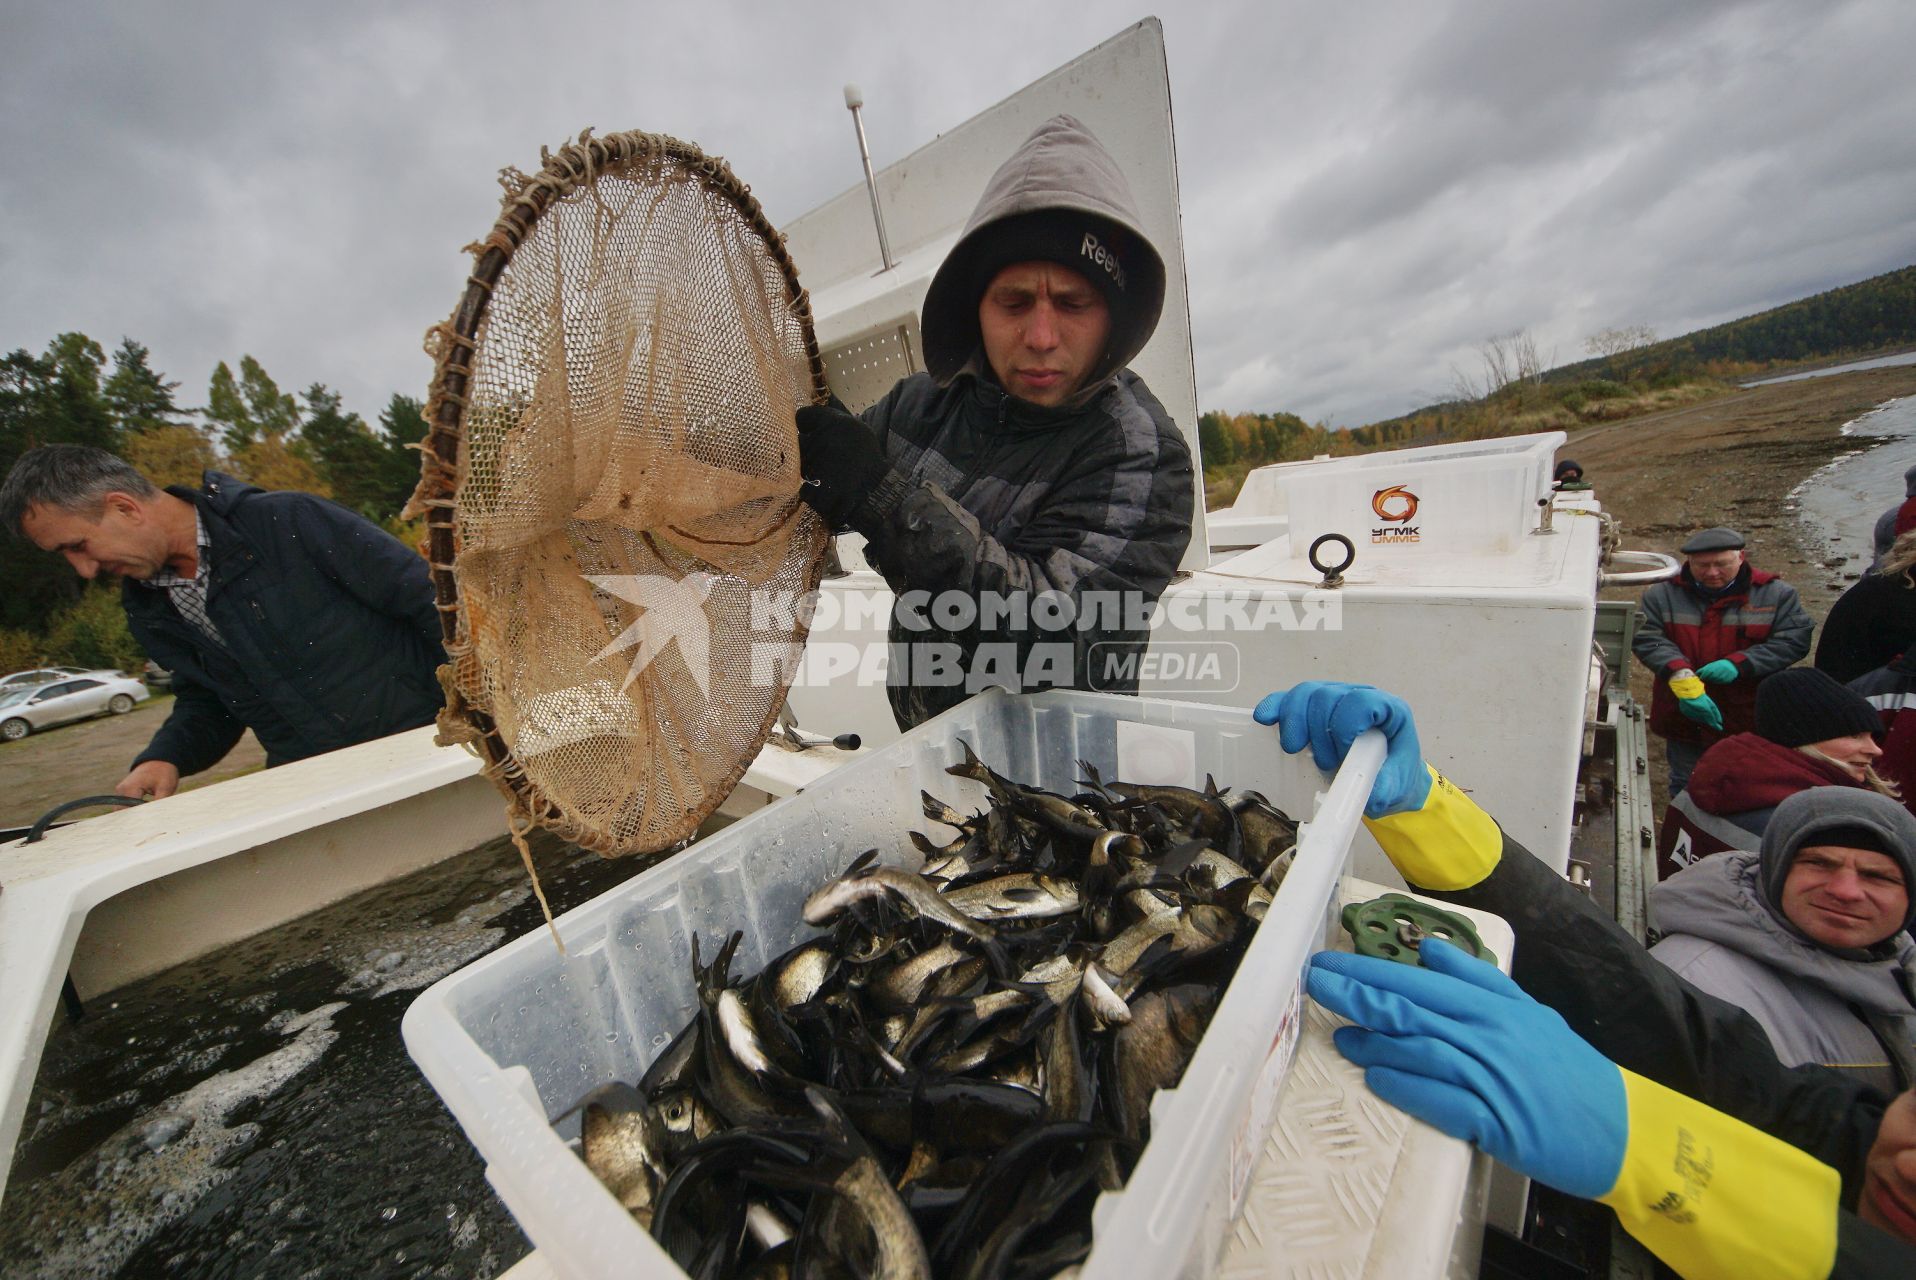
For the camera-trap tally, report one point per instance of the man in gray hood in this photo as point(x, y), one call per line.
point(1027, 497)
point(1808, 934)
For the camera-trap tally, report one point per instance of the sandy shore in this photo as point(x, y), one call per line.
point(1733, 461)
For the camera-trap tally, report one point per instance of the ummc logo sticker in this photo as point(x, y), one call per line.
point(1395, 503)
point(1397, 507)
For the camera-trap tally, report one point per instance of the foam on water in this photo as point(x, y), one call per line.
point(254, 1112)
point(154, 1168)
point(412, 959)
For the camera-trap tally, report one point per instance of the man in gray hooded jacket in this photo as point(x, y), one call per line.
point(1808, 934)
point(1027, 498)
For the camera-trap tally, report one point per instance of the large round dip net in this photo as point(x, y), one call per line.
point(610, 485)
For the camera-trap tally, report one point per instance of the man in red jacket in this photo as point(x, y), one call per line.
point(1711, 636)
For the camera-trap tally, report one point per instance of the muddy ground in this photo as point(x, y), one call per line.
point(1733, 461)
point(89, 758)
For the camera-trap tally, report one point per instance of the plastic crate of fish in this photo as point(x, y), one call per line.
point(514, 1041)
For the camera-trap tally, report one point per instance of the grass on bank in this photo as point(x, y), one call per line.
point(1235, 444)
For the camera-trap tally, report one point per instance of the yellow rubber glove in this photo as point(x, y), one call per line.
point(1448, 844)
point(1717, 1199)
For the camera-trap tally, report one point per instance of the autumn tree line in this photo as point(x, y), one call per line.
point(1512, 386)
point(73, 393)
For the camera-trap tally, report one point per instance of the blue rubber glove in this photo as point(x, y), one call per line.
point(1327, 716)
point(1722, 671)
point(1460, 1046)
point(1702, 710)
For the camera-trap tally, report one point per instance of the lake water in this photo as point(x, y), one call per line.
point(254, 1112)
point(1842, 500)
point(1880, 362)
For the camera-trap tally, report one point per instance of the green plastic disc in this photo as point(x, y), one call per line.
point(1393, 925)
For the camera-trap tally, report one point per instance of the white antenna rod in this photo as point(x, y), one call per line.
point(854, 100)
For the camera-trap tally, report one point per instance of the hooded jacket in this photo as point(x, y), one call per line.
point(1734, 789)
point(1849, 1010)
point(1005, 501)
point(330, 633)
point(1757, 623)
point(1891, 690)
point(1870, 625)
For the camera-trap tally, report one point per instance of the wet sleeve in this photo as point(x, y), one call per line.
point(1108, 537)
point(1124, 523)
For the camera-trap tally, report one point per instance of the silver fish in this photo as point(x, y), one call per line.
point(1019, 896)
point(915, 893)
point(803, 974)
point(1106, 1004)
point(900, 989)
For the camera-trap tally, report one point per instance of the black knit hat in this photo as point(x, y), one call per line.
point(1803, 705)
point(1568, 467)
point(1100, 250)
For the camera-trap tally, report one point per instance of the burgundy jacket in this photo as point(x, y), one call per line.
point(1733, 790)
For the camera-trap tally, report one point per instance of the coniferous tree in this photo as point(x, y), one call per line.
point(139, 398)
point(344, 451)
point(178, 453)
point(402, 426)
point(47, 399)
point(251, 407)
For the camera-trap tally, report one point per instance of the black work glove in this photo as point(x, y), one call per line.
point(843, 464)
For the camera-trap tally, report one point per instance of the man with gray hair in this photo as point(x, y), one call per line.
point(1710, 637)
point(279, 612)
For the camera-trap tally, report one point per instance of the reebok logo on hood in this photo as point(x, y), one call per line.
point(1103, 257)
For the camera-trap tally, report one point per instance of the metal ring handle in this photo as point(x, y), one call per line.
point(1332, 576)
point(1657, 568)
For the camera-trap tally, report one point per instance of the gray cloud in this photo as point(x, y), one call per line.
point(1369, 190)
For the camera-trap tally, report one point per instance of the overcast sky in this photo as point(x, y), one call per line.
point(1369, 189)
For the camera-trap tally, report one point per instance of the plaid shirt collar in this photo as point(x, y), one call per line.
point(166, 578)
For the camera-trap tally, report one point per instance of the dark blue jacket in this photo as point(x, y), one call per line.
point(328, 620)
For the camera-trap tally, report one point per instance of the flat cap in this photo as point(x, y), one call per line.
point(1717, 539)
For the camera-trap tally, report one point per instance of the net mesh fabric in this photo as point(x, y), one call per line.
point(610, 484)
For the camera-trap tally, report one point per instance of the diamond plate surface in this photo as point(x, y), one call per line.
point(1318, 1188)
point(1318, 1191)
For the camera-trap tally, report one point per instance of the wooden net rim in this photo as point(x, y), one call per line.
point(454, 343)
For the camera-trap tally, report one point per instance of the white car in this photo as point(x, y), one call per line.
point(47, 675)
point(43, 706)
